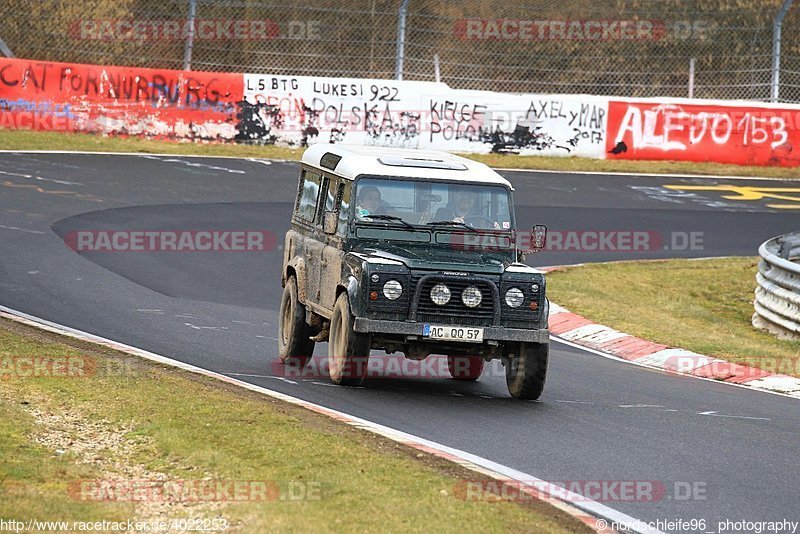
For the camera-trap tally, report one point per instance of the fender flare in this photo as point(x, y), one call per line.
point(350, 286)
point(298, 265)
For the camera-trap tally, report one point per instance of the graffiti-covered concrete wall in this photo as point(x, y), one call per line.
point(295, 110)
point(302, 110)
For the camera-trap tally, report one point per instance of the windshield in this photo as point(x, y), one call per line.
point(426, 203)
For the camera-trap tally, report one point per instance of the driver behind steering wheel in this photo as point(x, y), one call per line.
point(461, 207)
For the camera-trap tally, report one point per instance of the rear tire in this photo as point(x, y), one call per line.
point(526, 371)
point(294, 346)
point(348, 350)
point(465, 368)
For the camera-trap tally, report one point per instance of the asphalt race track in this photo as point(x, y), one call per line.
point(599, 419)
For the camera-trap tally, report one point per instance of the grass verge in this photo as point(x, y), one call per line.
point(33, 140)
point(701, 305)
point(118, 422)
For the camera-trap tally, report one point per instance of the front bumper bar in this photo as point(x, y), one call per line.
point(490, 333)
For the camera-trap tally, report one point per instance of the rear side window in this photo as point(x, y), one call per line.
point(329, 195)
point(308, 195)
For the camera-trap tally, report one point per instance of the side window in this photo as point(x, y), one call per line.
point(308, 195)
point(330, 191)
point(326, 197)
point(343, 200)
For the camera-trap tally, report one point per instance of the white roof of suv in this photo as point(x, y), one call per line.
point(350, 161)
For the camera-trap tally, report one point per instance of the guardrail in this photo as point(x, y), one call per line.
point(777, 298)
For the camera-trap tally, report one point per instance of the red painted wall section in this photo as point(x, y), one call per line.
point(118, 100)
point(697, 132)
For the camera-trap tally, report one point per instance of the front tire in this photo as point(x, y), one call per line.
point(295, 347)
point(348, 350)
point(526, 371)
point(465, 368)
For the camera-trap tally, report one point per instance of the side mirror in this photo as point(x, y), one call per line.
point(330, 222)
point(538, 237)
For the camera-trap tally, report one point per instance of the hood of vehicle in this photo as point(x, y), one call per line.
point(435, 258)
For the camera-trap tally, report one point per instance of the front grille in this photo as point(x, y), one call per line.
point(454, 312)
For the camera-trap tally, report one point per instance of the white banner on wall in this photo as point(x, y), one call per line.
point(307, 110)
point(483, 121)
point(301, 110)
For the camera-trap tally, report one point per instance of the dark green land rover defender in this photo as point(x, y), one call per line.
point(412, 251)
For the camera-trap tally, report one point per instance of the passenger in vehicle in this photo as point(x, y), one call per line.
point(368, 201)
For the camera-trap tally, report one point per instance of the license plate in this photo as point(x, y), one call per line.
point(453, 333)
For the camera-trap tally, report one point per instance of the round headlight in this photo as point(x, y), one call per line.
point(375, 278)
point(535, 288)
point(471, 297)
point(514, 297)
point(392, 290)
point(440, 294)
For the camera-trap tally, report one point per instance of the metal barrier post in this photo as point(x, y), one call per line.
point(187, 55)
point(776, 48)
point(401, 40)
point(5, 49)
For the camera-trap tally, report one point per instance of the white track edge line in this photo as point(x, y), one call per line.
point(635, 260)
point(581, 503)
point(505, 169)
point(650, 174)
point(610, 356)
point(144, 154)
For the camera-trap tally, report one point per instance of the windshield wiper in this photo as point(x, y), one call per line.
point(391, 218)
point(453, 223)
